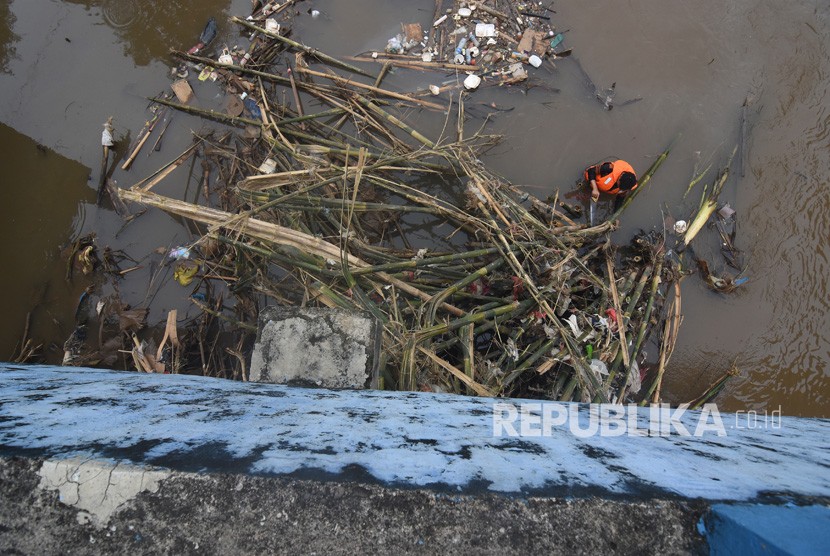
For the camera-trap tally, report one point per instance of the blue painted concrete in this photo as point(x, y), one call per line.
point(401, 438)
point(738, 530)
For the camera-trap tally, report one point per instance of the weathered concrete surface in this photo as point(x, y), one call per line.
point(395, 438)
point(332, 348)
point(233, 514)
point(97, 488)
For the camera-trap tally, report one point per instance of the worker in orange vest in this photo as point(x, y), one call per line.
point(615, 178)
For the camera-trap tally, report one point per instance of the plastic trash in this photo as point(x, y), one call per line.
point(208, 33)
point(106, 136)
point(572, 322)
point(635, 382)
point(269, 166)
point(185, 272)
point(680, 227)
point(465, 12)
point(245, 59)
point(435, 89)
point(179, 253)
point(272, 25)
point(472, 82)
point(599, 367)
point(439, 21)
point(207, 36)
point(252, 107)
point(726, 212)
point(208, 73)
point(226, 57)
point(557, 40)
point(394, 45)
point(315, 13)
point(485, 30)
point(535, 61)
point(512, 350)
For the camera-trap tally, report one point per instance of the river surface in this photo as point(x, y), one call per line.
point(65, 66)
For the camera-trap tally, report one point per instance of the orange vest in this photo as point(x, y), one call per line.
point(608, 182)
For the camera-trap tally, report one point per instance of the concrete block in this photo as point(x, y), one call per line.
point(332, 348)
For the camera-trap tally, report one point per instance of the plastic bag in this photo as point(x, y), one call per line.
point(395, 45)
point(106, 136)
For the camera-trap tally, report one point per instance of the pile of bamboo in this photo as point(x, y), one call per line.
point(480, 287)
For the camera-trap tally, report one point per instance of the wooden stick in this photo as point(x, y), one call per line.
point(169, 168)
point(134, 154)
point(105, 156)
point(131, 158)
point(491, 11)
point(168, 118)
point(382, 74)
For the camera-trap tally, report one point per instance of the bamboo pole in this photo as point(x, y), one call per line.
point(322, 56)
point(212, 114)
point(395, 121)
point(617, 309)
point(168, 168)
point(670, 332)
point(269, 233)
point(391, 94)
point(644, 180)
point(644, 326)
point(148, 129)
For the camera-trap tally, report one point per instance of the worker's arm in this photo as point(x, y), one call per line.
point(592, 178)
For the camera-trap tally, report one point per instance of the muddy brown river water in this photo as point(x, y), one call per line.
point(65, 66)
